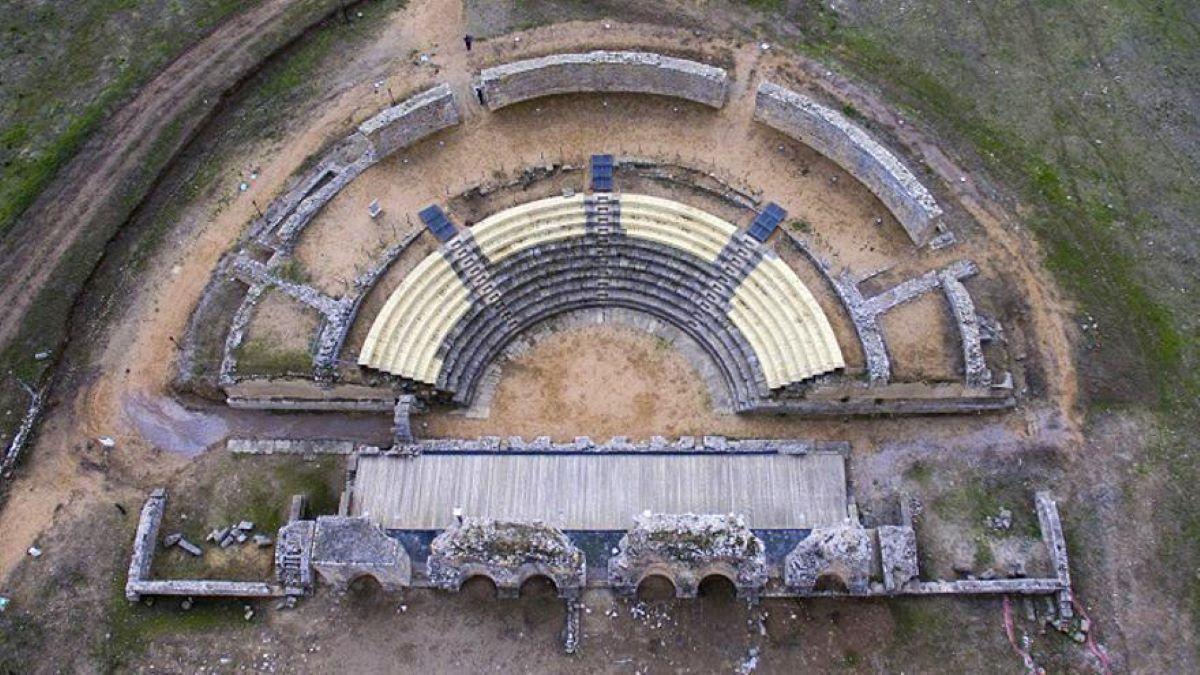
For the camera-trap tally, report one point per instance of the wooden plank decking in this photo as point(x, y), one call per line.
point(593, 491)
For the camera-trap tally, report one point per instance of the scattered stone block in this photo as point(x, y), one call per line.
point(171, 539)
point(190, 547)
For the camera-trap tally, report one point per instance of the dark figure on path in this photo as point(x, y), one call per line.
point(467, 40)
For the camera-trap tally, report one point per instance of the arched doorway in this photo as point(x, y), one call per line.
point(538, 586)
point(830, 583)
point(717, 588)
point(479, 587)
point(655, 587)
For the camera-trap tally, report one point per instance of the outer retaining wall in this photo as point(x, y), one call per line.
point(603, 72)
point(830, 133)
point(402, 125)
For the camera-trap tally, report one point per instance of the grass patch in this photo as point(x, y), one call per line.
point(66, 76)
point(919, 472)
point(237, 488)
point(1083, 250)
point(977, 499)
point(260, 357)
point(132, 626)
point(293, 270)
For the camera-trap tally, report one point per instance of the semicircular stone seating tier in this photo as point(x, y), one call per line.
point(751, 313)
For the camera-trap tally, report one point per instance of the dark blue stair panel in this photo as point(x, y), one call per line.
point(602, 173)
point(438, 223)
point(766, 221)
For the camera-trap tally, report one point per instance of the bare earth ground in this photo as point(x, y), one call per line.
point(67, 489)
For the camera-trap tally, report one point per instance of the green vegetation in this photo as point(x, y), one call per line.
point(67, 68)
point(800, 226)
point(1078, 108)
point(260, 357)
point(919, 472)
point(980, 498)
point(257, 489)
point(261, 107)
point(293, 271)
point(132, 626)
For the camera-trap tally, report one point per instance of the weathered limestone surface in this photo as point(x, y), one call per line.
point(843, 553)
point(830, 133)
point(898, 555)
point(345, 548)
point(603, 72)
point(508, 554)
point(402, 125)
point(1052, 535)
point(392, 129)
point(685, 548)
point(144, 542)
point(293, 556)
point(203, 588)
point(976, 373)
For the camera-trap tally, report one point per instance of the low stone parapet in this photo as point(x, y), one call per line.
point(603, 72)
point(412, 120)
point(832, 134)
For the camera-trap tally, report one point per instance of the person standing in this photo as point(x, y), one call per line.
point(467, 40)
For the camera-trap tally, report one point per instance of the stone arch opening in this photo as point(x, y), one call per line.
point(656, 587)
point(832, 583)
point(366, 589)
point(717, 587)
point(479, 587)
point(538, 586)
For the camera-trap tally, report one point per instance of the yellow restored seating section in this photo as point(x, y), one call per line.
point(784, 324)
point(540, 222)
point(674, 224)
point(779, 317)
point(405, 336)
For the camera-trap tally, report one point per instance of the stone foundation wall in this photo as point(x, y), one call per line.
point(144, 542)
point(402, 125)
point(833, 135)
point(346, 548)
point(603, 72)
point(508, 554)
point(685, 548)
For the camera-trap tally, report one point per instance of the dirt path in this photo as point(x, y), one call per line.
point(174, 104)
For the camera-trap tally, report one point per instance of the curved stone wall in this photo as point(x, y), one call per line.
point(833, 135)
point(603, 72)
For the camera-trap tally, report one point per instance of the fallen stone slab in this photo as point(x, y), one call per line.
point(171, 539)
point(190, 547)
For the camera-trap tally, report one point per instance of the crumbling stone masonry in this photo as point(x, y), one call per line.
point(145, 540)
point(139, 582)
point(686, 548)
point(413, 119)
point(508, 554)
point(346, 548)
point(833, 135)
point(841, 556)
point(897, 555)
point(603, 72)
